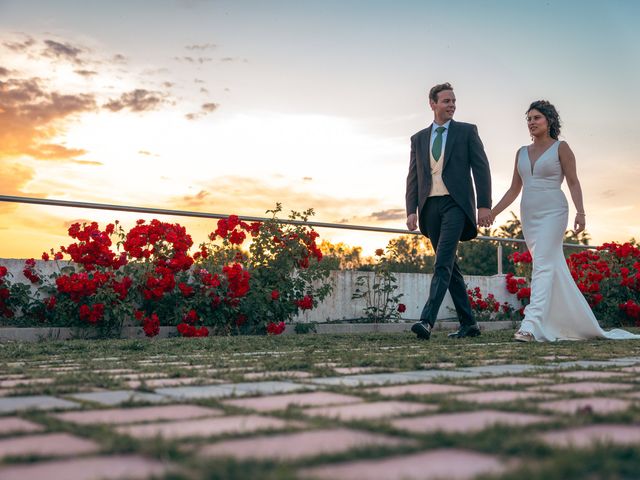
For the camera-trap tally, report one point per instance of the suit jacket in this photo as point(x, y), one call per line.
point(463, 154)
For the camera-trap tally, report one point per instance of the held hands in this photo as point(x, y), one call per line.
point(485, 217)
point(579, 223)
point(412, 222)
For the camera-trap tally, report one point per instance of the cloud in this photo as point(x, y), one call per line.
point(19, 47)
point(87, 162)
point(138, 100)
point(210, 107)
point(391, 214)
point(12, 181)
point(64, 51)
point(50, 151)
point(119, 59)
point(203, 46)
point(199, 60)
point(86, 73)
point(30, 116)
point(4, 72)
point(206, 109)
point(14, 177)
point(234, 59)
point(253, 196)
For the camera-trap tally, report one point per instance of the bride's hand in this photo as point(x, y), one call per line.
point(579, 223)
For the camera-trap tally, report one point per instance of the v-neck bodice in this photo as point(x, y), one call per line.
point(545, 174)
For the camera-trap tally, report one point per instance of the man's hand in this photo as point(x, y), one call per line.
point(579, 223)
point(485, 217)
point(412, 222)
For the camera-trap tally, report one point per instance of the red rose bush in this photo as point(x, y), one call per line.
point(247, 278)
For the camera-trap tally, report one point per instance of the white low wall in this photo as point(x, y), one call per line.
point(413, 286)
point(339, 305)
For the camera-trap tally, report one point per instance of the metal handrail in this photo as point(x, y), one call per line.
point(187, 213)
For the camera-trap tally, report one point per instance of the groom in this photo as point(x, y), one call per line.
point(439, 188)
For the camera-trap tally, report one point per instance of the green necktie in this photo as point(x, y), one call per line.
point(436, 150)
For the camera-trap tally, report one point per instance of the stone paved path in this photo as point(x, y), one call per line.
point(353, 422)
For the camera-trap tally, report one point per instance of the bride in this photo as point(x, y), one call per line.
point(557, 310)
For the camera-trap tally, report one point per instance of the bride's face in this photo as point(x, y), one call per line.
point(537, 123)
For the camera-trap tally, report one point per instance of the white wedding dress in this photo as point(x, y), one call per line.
point(558, 310)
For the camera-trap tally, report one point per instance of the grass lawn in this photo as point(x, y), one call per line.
point(95, 365)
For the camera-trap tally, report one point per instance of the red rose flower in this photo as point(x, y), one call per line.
point(275, 328)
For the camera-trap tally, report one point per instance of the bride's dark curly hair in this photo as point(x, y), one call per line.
point(550, 113)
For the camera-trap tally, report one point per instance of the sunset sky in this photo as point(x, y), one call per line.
point(232, 106)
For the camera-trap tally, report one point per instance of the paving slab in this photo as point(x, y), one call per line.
point(507, 381)
point(231, 389)
point(451, 464)
point(582, 437)
point(282, 374)
point(422, 375)
point(586, 374)
point(281, 402)
point(629, 360)
point(584, 387)
point(115, 371)
point(500, 396)
point(632, 369)
point(588, 364)
point(139, 375)
point(138, 414)
point(504, 369)
point(18, 425)
point(326, 365)
point(390, 378)
point(371, 410)
point(294, 446)
point(195, 392)
point(206, 427)
point(463, 422)
point(419, 389)
point(114, 467)
point(46, 444)
point(34, 402)
point(162, 382)
point(601, 405)
point(64, 369)
point(355, 370)
point(24, 382)
point(116, 397)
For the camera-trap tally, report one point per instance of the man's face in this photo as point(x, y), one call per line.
point(445, 107)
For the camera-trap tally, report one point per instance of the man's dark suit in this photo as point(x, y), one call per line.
point(449, 219)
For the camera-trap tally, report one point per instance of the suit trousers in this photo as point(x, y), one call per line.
point(443, 220)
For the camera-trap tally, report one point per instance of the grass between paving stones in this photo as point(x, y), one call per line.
point(387, 352)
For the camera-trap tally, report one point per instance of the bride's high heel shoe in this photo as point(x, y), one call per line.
point(523, 337)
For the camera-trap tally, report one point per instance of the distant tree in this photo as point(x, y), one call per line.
point(413, 253)
point(478, 257)
point(583, 238)
point(340, 256)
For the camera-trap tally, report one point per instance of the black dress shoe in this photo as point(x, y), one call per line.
point(472, 330)
point(422, 330)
